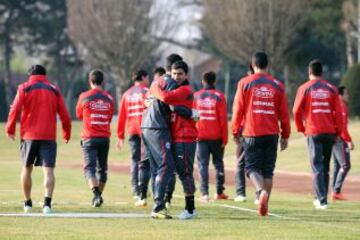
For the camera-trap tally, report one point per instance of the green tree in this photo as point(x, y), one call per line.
point(49, 37)
point(41, 28)
point(352, 83)
point(12, 17)
point(3, 111)
point(321, 36)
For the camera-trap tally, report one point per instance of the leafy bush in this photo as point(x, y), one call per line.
point(351, 81)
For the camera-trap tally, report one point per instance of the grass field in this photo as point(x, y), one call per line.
point(295, 217)
point(294, 159)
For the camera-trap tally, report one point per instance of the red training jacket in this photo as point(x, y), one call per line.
point(317, 105)
point(182, 130)
point(260, 103)
point(95, 107)
point(212, 108)
point(39, 101)
point(131, 109)
point(345, 113)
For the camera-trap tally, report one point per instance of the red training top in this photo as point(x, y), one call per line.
point(212, 108)
point(182, 129)
point(345, 113)
point(131, 109)
point(260, 103)
point(39, 101)
point(317, 105)
point(95, 107)
point(345, 135)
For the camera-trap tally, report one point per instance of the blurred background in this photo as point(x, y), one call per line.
point(70, 37)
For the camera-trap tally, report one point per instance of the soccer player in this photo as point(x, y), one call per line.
point(158, 72)
point(38, 101)
point(259, 106)
point(212, 135)
point(95, 107)
point(240, 180)
point(317, 113)
point(183, 133)
point(341, 149)
point(157, 139)
point(131, 109)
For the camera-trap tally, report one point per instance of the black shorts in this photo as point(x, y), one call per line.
point(38, 152)
point(95, 153)
point(260, 154)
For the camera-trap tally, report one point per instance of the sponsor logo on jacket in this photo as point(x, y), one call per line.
point(136, 97)
point(207, 103)
point(100, 105)
point(263, 92)
point(320, 94)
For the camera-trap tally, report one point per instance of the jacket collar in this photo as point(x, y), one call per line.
point(209, 87)
point(38, 78)
point(185, 83)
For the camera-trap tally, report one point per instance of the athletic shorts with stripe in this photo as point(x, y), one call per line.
point(320, 148)
point(158, 144)
point(95, 153)
point(184, 154)
point(38, 153)
point(342, 165)
point(205, 148)
point(260, 155)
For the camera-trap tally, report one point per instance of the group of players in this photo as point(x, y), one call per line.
point(168, 124)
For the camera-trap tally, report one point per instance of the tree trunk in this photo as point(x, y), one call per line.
point(286, 79)
point(7, 70)
point(349, 51)
point(227, 81)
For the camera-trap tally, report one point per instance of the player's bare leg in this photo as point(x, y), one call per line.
point(26, 181)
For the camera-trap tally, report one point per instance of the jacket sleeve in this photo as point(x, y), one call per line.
point(122, 118)
point(298, 110)
point(338, 115)
point(64, 117)
point(14, 112)
point(238, 110)
point(222, 114)
point(173, 97)
point(345, 134)
point(183, 111)
point(79, 108)
point(112, 110)
point(284, 117)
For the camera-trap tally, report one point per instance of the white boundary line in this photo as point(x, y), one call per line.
point(58, 203)
point(250, 210)
point(289, 218)
point(78, 215)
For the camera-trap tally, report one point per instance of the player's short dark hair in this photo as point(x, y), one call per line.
point(96, 77)
point(37, 70)
point(138, 76)
point(171, 59)
point(209, 77)
point(159, 70)
point(181, 65)
point(315, 67)
point(260, 60)
point(341, 90)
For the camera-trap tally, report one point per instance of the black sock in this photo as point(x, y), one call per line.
point(190, 204)
point(143, 195)
point(28, 203)
point(47, 201)
point(168, 197)
point(96, 191)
